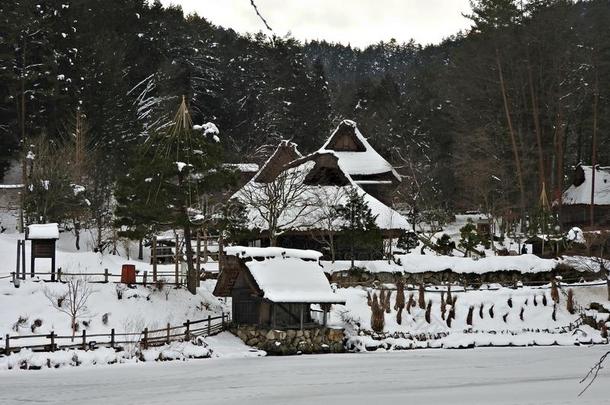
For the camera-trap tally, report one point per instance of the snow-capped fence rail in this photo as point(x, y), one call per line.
point(145, 339)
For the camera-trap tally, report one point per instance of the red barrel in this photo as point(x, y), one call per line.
point(128, 274)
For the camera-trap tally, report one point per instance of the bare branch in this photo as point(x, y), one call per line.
point(260, 16)
point(593, 372)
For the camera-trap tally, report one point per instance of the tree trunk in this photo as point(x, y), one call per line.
point(191, 275)
point(77, 234)
point(140, 250)
point(536, 115)
point(513, 138)
point(594, 151)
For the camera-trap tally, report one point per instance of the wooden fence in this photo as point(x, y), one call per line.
point(144, 339)
point(142, 277)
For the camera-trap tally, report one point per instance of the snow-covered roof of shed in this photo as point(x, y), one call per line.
point(43, 231)
point(292, 280)
point(272, 252)
point(359, 163)
point(581, 194)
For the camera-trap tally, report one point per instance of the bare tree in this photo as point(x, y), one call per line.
point(74, 301)
point(280, 204)
point(327, 200)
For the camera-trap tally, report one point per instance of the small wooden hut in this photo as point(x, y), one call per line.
point(43, 237)
point(275, 287)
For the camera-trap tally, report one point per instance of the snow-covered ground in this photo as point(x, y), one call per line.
point(504, 376)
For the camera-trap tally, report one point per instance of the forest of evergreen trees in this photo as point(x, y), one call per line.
point(481, 121)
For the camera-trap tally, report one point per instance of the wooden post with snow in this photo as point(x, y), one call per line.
point(154, 258)
point(198, 260)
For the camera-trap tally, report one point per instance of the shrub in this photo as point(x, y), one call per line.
point(521, 313)
point(400, 295)
point(604, 330)
point(504, 317)
point(410, 303)
point(469, 316)
point(481, 311)
point(535, 302)
point(377, 315)
point(36, 324)
point(491, 311)
point(510, 302)
point(554, 292)
point(544, 301)
point(21, 321)
point(421, 298)
point(386, 302)
point(554, 315)
point(570, 301)
point(105, 318)
point(429, 311)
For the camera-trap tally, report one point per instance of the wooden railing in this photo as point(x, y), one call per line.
point(145, 339)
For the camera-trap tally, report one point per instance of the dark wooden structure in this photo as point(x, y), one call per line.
point(43, 238)
point(576, 200)
point(249, 307)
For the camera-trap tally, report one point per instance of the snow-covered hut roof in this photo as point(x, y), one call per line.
point(43, 231)
point(292, 280)
point(356, 155)
point(580, 190)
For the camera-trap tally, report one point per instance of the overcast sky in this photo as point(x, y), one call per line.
point(359, 22)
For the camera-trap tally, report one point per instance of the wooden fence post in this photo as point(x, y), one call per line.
point(187, 331)
point(52, 337)
point(112, 338)
point(209, 325)
point(105, 275)
point(84, 344)
point(198, 260)
point(59, 275)
point(222, 324)
point(145, 338)
point(18, 256)
point(23, 257)
point(154, 258)
point(177, 263)
point(168, 332)
point(7, 345)
point(144, 277)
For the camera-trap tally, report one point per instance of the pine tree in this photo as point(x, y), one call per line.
point(172, 169)
point(359, 226)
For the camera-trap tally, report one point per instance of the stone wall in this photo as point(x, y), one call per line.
point(506, 277)
point(291, 341)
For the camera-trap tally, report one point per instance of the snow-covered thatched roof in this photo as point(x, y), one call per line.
point(320, 180)
point(356, 155)
point(580, 190)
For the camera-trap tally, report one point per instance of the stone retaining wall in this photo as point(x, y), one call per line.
point(291, 341)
